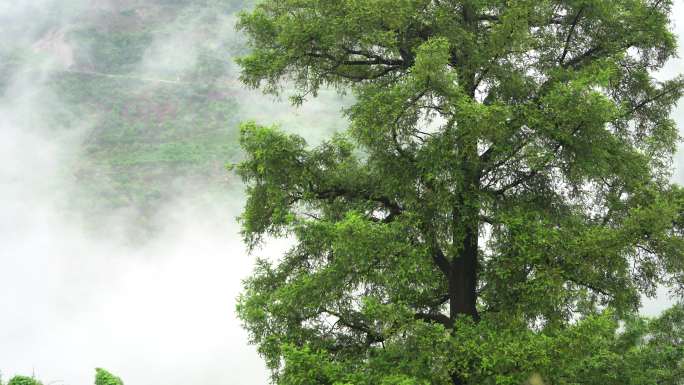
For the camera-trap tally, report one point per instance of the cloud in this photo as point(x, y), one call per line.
point(73, 299)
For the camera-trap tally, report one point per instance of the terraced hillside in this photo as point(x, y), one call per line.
point(152, 82)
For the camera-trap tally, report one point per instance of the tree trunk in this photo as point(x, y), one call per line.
point(463, 284)
point(463, 287)
point(463, 278)
point(463, 272)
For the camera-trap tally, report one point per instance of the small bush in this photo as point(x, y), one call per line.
point(22, 380)
point(103, 377)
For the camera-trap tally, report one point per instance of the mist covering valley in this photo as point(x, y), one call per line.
point(118, 241)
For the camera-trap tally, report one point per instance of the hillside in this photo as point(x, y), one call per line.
point(152, 84)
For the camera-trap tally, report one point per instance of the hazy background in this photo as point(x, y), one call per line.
point(118, 242)
point(118, 245)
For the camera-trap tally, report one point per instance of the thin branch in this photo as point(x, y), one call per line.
point(487, 219)
point(643, 103)
point(437, 318)
point(337, 192)
point(568, 39)
point(587, 54)
point(441, 261)
point(357, 325)
point(372, 59)
point(587, 285)
point(536, 171)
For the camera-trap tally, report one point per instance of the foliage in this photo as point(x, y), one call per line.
point(148, 134)
point(22, 380)
point(113, 51)
point(497, 208)
point(157, 121)
point(103, 377)
point(593, 352)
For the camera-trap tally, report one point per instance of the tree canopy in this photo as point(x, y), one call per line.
point(497, 208)
point(23, 380)
point(103, 377)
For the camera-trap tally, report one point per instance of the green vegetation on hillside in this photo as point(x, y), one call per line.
point(152, 128)
point(160, 120)
point(152, 86)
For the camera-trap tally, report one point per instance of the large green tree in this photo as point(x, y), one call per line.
point(498, 206)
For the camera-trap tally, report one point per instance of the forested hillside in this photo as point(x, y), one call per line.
point(152, 84)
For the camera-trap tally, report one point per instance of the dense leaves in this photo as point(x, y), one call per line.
point(23, 380)
point(497, 208)
point(103, 377)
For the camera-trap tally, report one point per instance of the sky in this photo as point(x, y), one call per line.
point(163, 312)
point(673, 68)
point(72, 299)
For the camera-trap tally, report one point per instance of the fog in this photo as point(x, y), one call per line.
point(78, 292)
point(675, 67)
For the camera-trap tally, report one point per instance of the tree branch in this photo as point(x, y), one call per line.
point(568, 39)
point(436, 318)
point(357, 325)
point(372, 59)
point(337, 192)
point(536, 171)
point(589, 286)
point(643, 103)
point(441, 261)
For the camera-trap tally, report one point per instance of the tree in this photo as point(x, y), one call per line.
point(497, 208)
point(103, 377)
point(23, 380)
